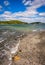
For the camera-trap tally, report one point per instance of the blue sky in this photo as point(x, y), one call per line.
point(24, 10)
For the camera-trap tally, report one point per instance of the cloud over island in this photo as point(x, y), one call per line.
point(26, 10)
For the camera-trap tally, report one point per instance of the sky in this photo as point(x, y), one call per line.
point(24, 10)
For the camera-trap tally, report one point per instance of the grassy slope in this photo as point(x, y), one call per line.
point(37, 23)
point(12, 22)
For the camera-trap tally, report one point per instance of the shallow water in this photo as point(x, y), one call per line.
point(11, 29)
point(23, 27)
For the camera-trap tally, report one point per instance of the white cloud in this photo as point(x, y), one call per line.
point(6, 3)
point(23, 1)
point(42, 14)
point(35, 3)
point(1, 7)
point(13, 16)
point(31, 10)
point(38, 19)
point(29, 15)
point(25, 13)
point(6, 15)
point(27, 3)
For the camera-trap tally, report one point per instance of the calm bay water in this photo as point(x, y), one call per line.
point(24, 27)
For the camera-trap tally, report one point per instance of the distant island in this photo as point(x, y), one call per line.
point(18, 22)
point(12, 22)
point(36, 23)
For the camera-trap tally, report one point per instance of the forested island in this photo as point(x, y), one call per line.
point(36, 23)
point(12, 22)
point(18, 22)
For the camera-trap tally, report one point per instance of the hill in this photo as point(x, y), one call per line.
point(36, 23)
point(12, 22)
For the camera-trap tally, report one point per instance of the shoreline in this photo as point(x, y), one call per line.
point(27, 47)
point(32, 46)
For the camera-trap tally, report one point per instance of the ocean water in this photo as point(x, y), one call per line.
point(26, 27)
point(15, 30)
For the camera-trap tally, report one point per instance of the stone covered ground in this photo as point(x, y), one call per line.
point(31, 50)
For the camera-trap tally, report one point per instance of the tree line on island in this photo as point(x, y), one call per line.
point(18, 22)
point(12, 22)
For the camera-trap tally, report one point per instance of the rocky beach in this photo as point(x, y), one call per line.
point(32, 49)
point(9, 43)
point(21, 48)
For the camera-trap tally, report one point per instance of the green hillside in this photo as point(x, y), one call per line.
point(36, 23)
point(12, 22)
